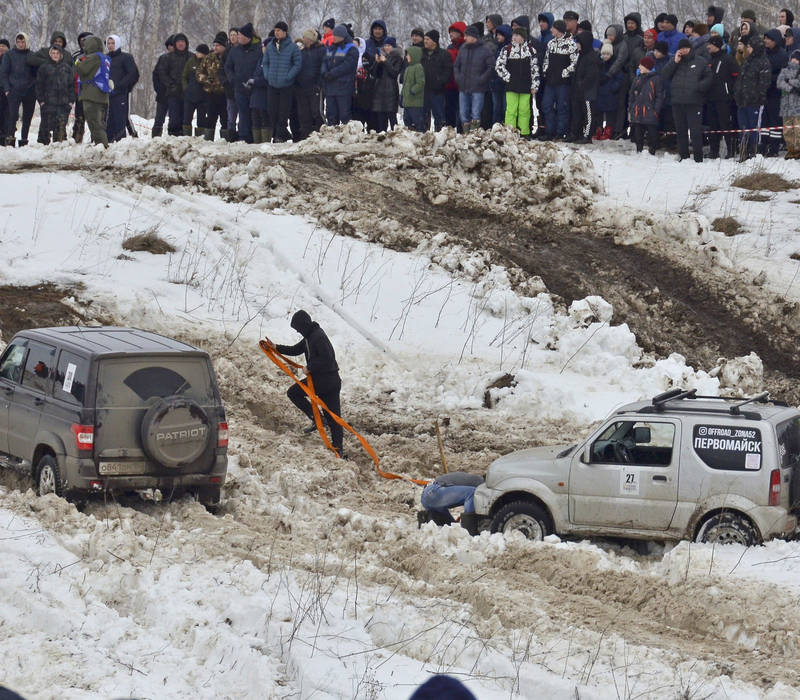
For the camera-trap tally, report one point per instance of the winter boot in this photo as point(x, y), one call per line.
point(266, 135)
point(475, 124)
point(199, 131)
point(187, 130)
point(465, 128)
point(22, 142)
point(224, 135)
point(157, 132)
point(208, 134)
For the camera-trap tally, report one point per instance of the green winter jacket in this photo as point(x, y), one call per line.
point(414, 80)
point(42, 56)
point(87, 68)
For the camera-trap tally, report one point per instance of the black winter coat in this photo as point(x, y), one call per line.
point(16, 75)
point(310, 75)
point(474, 67)
point(124, 72)
point(259, 91)
point(438, 67)
point(690, 79)
point(755, 76)
point(171, 75)
point(587, 70)
point(646, 99)
point(241, 63)
point(724, 70)
point(55, 83)
point(227, 84)
point(158, 87)
point(319, 354)
point(386, 97)
point(778, 60)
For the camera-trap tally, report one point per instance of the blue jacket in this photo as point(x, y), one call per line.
point(258, 94)
point(16, 76)
point(312, 59)
point(281, 63)
point(241, 63)
point(339, 69)
point(672, 37)
point(547, 34)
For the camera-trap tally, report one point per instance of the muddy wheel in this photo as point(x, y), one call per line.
point(523, 516)
point(728, 528)
point(48, 476)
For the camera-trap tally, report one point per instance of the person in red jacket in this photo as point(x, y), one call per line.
point(457, 31)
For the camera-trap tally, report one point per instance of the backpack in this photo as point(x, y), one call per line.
point(102, 79)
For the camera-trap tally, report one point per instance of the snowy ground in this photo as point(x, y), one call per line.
point(315, 582)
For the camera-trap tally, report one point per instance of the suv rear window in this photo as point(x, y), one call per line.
point(137, 381)
point(788, 434)
point(728, 447)
point(71, 376)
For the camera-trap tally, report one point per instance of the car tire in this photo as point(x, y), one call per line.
point(523, 516)
point(48, 476)
point(728, 528)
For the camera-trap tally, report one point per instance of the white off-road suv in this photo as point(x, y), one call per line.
point(680, 466)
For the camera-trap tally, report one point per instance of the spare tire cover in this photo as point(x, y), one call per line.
point(175, 431)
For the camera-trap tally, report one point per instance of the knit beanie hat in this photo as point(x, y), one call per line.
point(433, 35)
point(795, 55)
point(586, 25)
point(170, 41)
point(672, 19)
point(473, 31)
point(247, 30)
point(684, 44)
point(717, 29)
point(5, 43)
point(341, 31)
point(221, 38)
point(329, 23)
point(748, 14)
point(442, 688)
point(661, 47)
point(521, 31)
point(607, 50)
point(648, 63)
point(203, 49)
point(418, 31)
point(310, 34)
point(57, 47)
point(560, 25)
point(651, 33)
point(282, 26)
point(571, 14)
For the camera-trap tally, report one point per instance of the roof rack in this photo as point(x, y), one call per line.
point(660, 403)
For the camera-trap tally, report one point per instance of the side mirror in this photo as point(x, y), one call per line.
point(641, 435)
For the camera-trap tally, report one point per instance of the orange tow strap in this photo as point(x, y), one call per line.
point(317, 403)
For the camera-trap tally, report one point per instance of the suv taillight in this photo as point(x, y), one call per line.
point(84, 436)
point(222, 435)
point(775, 487)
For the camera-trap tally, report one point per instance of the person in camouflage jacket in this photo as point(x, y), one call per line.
point(55, 92)
point(210, 75)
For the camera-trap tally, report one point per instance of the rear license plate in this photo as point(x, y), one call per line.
point(122, 468)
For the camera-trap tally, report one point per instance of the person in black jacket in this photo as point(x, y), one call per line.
point(18, 83)
point(750, 93)
point(125, 75)
point(778, 60)
point(171, 78)
point(5, 45)
point(240, 67)
point(162, 103)
point(719, 101)
point(690, 78)
point(321, 366)
point(55, 91)
point(438, 67)
point(308, 83)
point(584, 89)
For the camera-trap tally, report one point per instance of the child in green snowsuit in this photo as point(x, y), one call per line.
point(414, 90)
point(518, 67)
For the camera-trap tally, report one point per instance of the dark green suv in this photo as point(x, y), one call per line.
point(112, 409)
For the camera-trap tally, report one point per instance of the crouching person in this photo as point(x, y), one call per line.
point(645, 102)
point(55, 90)
point(94, 73)
point(448, 491)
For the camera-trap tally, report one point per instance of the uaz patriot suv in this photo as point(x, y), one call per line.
point(112, 409)
point(678, 466)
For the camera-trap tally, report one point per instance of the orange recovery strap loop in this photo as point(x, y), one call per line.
point(318, 405)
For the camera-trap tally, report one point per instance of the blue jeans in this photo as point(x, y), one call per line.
point(175, 109)
point(338, 109)
point(470, 106)
point(434, 105)
point(555, 105)
point(498, 106)
point(439, 499)
point(750, 118)
point(245, 125)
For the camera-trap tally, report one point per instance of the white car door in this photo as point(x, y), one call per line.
point(627, 476)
